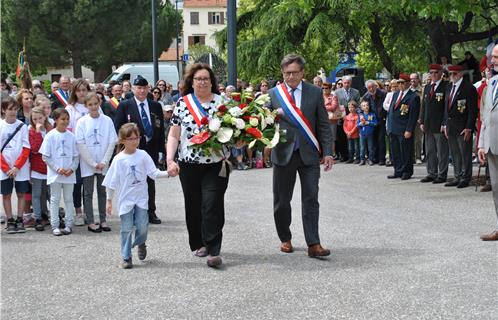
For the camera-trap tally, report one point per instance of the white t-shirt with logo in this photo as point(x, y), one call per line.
point(97, 134)
point(60, 147)
point(128, 177)
point(76, 112)
point(13, 149)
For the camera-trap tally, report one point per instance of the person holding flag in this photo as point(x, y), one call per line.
point(309, 141)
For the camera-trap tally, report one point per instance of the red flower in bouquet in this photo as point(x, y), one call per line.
point(254, 132)
point(243, 105)
point(222, 108)
point(204, 120)
point(201, 137)
point(277, 118)
point(236, 96)
point(246, 118)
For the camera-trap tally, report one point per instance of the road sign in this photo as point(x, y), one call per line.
point(185, 57)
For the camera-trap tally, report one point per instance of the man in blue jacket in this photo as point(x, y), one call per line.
point(403, 115)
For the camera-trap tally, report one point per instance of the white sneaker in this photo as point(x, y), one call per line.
point(79, 220)
point(57, 232)
point(66, 231)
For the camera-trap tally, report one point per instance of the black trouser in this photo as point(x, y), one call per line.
point(151, 188)
point(402, 151)
point(77, 194)
point(284, 179)
point(204, 193)
point(341, 143)
point(379, 151)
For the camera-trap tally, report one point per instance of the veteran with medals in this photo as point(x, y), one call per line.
point(402, 119)
point(148, 115)
point(308, 135)
point(431, 123)
point(460, 119)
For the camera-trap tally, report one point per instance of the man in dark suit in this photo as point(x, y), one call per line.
point(345, 95)
point(148, 115)
point(460, 119)
point(375, 97)
point(431, 124)
point(300, 154)
point(111, 106)
point(64, 91)
point(403, 115)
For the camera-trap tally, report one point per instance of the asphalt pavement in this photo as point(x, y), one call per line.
point(400, 250)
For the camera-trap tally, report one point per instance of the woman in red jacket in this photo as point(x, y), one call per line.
point(39, 126)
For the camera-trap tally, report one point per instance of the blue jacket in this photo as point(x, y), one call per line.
point(370, 124)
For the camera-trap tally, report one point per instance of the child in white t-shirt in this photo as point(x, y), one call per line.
point(96, 138)
point(15, 148)
point(61, 156)
point(128, 177)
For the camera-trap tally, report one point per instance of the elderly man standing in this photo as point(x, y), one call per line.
point(431, 123)
point(375, 98)
point(345, 94)
point(460, 119)
point(308, 139)
point(488, 138)
point(403, 116)
point(111, 106)
point(60, 97)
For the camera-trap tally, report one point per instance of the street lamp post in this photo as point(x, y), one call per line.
point(154, 42)
point(232, 38)
point(177, 46)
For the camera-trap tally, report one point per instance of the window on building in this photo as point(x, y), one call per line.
point(216, 18)
point(196, 40)
point(194, 17)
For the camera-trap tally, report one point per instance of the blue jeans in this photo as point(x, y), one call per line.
point(364, 142)
point(139, 218)
point(354, 149)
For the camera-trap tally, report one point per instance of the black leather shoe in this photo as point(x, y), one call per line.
point(142, 251)
point(405, 177)
point(153, 219)
point(462, 184)
point(439, 180)
point(427, 179)
point(453, 183)
point(393, 176)
point(382, 163)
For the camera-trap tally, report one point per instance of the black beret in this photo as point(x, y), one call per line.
point(140, 81)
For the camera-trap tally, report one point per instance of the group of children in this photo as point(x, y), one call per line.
point(359, 129)
point(43, 158)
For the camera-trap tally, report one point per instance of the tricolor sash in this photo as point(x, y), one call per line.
point(293, 112)
point(61, 96)
point(114, 102)
point(195, 108)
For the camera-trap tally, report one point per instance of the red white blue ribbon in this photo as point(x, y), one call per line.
point(295, 114)
point(59, 94)
point(195, 108)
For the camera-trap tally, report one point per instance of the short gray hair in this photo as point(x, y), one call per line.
point(370, 81)
point(347, 78)
point(292, 58)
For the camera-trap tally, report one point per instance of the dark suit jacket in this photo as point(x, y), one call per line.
point(109, 110)
point(55, 102)
point(376, 103)
point(313, 108)
point(432, 108)
point(128, 112)
point(399, 123)
point(463, 117)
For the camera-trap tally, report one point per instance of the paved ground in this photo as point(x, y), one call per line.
point(400, 250)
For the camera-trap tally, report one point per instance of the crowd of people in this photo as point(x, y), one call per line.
point(64, 144)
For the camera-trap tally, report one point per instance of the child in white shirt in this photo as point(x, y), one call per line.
point(15, 149)
point(61, 156)
point(96, 138)
point(128, 176)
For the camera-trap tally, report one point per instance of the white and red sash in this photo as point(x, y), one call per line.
point(195, 108)
point(293, 112)
point(114, 102)
point(61, 96)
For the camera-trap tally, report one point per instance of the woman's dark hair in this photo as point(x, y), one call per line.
point(78, 83)
point(57, 113)
point(189, 78)
point(159, 89)
point(9, 102)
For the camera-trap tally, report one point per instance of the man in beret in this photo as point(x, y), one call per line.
point(460, 118)
point(148, 115)
point(431, 123)
point(402, 119)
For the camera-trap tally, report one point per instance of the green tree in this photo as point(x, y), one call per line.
point(97, 34)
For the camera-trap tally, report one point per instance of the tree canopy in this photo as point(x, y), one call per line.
point(397, 35)
point(97, 34)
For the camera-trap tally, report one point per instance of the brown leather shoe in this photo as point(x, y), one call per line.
point(317, 250)
point(286, 247)
point(493, 236)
